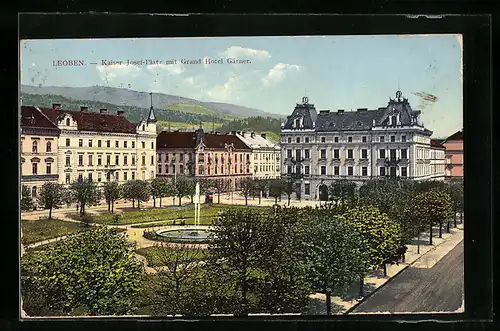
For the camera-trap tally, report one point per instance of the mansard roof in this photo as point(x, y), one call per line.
point(92, 121)
point(306, 111)
point(351, 120)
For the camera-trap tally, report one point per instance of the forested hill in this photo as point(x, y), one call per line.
point(259, 124)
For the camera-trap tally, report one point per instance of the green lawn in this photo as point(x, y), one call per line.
point(155, 256)
point(39, 230)
point(166, 214)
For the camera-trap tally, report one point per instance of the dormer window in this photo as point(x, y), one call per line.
point(68, 122)
point(143, 127)
point(393, 120)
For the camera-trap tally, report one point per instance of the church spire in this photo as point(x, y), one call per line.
point(151, 115)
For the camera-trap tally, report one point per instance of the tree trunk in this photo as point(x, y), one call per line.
point(440, 229)
point(275, 200)
point(430, 235)
point(154, 202)
point(113, 206)
point(180, 201)
point(259, 198)
point(289, 200)
point(461, 220)
point(218, 197)
point(191, 199)
point(109, 206)
point(448, 227)
point(133, 203)
point(328, 303)
point(160, 202)
point(455, 220)
point(50, 213)
point(418, 242)
point(385, 269)
point(361, 286)
point(246, 200)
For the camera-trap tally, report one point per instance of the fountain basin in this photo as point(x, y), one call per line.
point(184, 235)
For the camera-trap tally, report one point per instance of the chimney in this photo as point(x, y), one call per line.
point(340, 111)
point(362, 109)
point(56, 106)
point(326, 111)
point(103, 110)
point(263, 135)
point(233, 132)
point(243, 133)
point(252, 134)
point(83, 108)
point(120, 112)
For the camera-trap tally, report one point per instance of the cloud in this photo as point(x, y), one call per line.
point(172, 69)
point(239, 52)
point(278, 73)
point(117, 73)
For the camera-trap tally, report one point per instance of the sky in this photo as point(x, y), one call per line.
point(334, 72)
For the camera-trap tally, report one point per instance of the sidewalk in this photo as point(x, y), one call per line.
point(428, 257)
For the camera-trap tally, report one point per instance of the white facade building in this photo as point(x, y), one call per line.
point(265, 157)
point(358, 145)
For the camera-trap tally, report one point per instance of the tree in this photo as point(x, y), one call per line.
point(342, 191)
point(26, 199)
point(247, 186)
point(86, 193)
point(381, 237)
point(331, 253)
point(220, 185)
point(276, 188)
point(111, 192)
point(157, 189)
point(261, 186)
point(289, 188)
point(234, 239)
point(191, 187)
point(136, 190)
point(92, 273)
point(182, 187)
point(52, 195)
point(431, 208)
point(456, 192)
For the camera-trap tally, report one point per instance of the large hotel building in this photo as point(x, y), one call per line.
point(390, 141)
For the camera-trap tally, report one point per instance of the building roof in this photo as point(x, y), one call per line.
point(187, 140)
point(93, 121)
point(459, 135)
point(257, 141)
point(436, 143)
point(306, 111)
point(32, 117)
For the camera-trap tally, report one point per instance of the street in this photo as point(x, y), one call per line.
point(433, 289)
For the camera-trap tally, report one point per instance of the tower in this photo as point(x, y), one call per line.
point(151, 116)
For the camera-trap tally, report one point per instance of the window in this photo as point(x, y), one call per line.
point(133, 175)
point(323, 154)
point(349, 139)
point(80, 178)
point(323, 139)
point(143, 160)
point(297, 140)
point(152, 175)
point(68, 122)
point(125, 175)
point(80, 142)
point(336, 154)
point(117, 144)
point(394, 120)
point(117, 176)
point(382, 154)
point(382, 171)
point(159, 168)
point(34, 167)
point(152, 160)
point(392, 154)
point(99, 143)
point(68, 178)
point(364, 171)
point(393, 139)
point(404, 172)
point(363, 139)
point(297, 169)
point(403, 139)
point(90, 159)
point(289, 140)
point(306, 140)
point(80, 160)
point(306, 170)
point(336, 139)
point(108, 159)
point(143, 144)
point(133, 160)
point(117, 159)
point(125, 144)
point(289, 169)
point(404, 153)
point(48, 147)
point(33, 192)
point(307, 153)
point(68, 160)
point(364, 153)
point(349, 154)
point(90, 176)
point(48, 169)
point(152, 145)
point(382, 139)
point(125, 159)
point(307, 189)
point(108, 143)
point(323, 170)
point(349, 171)
point(298, 155)
point(288, 153)
point(68, 142)
point(90, 142)
point(133, 144)
point(35, 147)
point(99, 159)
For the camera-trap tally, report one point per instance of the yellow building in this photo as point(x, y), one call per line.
point(102, 146)
point(39, 140)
